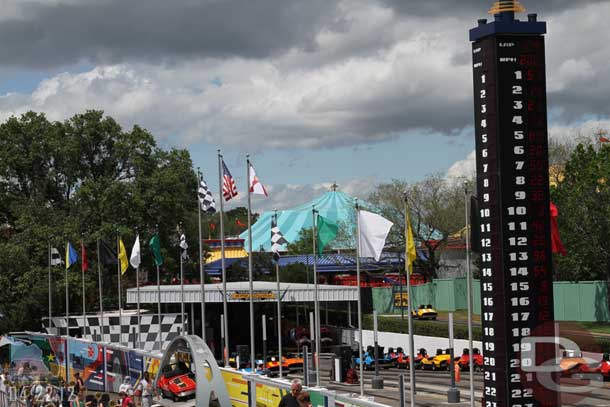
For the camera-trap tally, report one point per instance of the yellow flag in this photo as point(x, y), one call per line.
point(123, 257)
point(410, 246)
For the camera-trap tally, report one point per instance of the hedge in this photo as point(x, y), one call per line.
point(424, 328)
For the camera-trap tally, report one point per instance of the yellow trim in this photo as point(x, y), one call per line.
point(230, 253)
point(508, 5)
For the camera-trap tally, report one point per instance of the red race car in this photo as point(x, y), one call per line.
point(464, 360)
point(177, 381)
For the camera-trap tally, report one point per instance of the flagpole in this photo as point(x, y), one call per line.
point(469, 297)
point(201, 272)
point(139, 341)
point(279, 308)
point(250, 278)
point(316, 303)
point(409, 303)
point(225, 350)
point(159, 338)
point(181, 281)
point(359, 300)
point(67, 300)
point(82, 269)
point(50, 289)
point(99, 281)
point(118, 264)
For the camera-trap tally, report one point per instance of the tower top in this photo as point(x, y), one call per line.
point(504, 22)
point(512, 6)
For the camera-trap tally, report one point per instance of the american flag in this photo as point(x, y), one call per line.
point(229, 189)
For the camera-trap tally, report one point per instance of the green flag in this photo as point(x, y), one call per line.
point(327, 231)
point(155, 246)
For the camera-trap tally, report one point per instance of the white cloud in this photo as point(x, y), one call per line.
point(463, 169)
point(372, 75)
point(354, 94)
point(286, 196)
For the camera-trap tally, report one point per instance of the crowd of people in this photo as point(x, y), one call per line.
point(39, 392)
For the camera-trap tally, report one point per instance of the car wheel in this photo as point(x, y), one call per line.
point(174, 398)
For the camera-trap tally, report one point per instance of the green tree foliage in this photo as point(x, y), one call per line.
point(304, 244)
point(84, 178)
point(583, 200)
point(436, 209)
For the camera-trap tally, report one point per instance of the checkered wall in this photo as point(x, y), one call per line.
point(123, 334)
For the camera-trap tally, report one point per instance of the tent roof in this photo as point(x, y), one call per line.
point(334, 205)
point(327, 263)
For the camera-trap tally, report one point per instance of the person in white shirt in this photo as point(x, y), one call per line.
point(147, 391)
point(126, 386)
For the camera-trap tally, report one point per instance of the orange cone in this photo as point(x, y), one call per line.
point(457, 371)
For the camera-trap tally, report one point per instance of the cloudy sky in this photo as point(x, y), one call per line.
point(317, 91)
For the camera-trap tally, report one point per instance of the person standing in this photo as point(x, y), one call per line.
point(126, 399)
point(147, 392)
point(79, 385)
point(291, 399)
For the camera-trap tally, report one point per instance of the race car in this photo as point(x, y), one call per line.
point(403, 360)
point(601, 369)
point(393, 355)
point(425, 312)
point(477, 359)
point(292, 362)
point(441, 361)
point(177, 381)
point(571, 362)
point(369, 359)
point(273, 365)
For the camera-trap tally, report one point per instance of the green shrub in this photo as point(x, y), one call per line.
point(424, 328)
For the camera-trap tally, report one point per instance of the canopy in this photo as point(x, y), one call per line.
point(334, 205)
point(327, 263)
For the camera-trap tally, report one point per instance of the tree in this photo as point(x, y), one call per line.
point(84, 178)
point(304, 244)
point(436, 210)
point(582, 198)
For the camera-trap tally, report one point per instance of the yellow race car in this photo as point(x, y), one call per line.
point(425, 312)
point(439, 362)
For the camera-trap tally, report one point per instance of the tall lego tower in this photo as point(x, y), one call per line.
point(513, 203)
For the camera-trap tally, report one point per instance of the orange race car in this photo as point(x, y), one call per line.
point(293, 362)
point(403, 360)
point(477, 359)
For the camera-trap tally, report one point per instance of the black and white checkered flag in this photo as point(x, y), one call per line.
point(206, 199)
point(183, 247)
point(277, 239)
point(56, 257)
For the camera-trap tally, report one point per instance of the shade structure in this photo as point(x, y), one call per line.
point(333, 205)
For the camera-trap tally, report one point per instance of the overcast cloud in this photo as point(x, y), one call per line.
point(277, 74)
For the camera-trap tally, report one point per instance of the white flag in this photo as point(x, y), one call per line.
point(255, 185)
point(183, 247)
point(134, 260)
point(374, 230)
point(56, 257)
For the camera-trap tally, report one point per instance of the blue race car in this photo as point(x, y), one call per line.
point(384, 361)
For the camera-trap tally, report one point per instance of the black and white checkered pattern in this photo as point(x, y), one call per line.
point(56, 257)
point(183, 247)
point(206, 199)
point(126, 333)
point(277, 239)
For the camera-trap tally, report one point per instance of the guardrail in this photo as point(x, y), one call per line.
point(328, 397)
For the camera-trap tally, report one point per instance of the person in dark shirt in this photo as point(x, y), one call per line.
point(291, 400)
point(79, 385)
